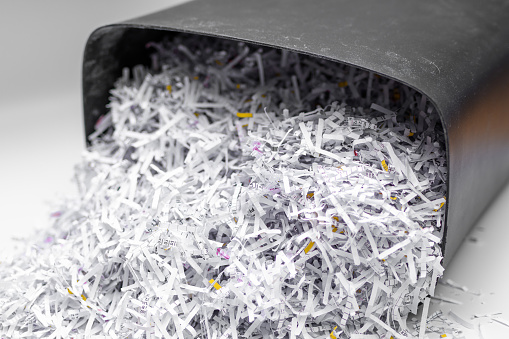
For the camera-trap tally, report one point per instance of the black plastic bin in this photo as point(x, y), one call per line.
point(454, 52)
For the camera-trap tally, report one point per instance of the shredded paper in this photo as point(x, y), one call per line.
point(239, 192)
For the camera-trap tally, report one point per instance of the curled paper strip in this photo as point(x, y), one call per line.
point(246, 193)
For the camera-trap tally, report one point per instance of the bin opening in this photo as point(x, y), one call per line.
point(263, 167)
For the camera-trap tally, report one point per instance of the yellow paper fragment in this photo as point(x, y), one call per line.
point(384, 165)
point(309, 247)
point(332, 333)
point(216, 285)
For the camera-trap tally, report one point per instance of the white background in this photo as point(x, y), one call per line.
point(41, 127)
point(41, 138)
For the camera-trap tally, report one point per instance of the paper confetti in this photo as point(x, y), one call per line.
point(237, 192)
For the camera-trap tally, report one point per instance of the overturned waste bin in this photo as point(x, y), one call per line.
point(453, 55)
point(456, 54)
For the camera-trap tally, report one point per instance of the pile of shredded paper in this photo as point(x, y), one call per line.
point(238, 192)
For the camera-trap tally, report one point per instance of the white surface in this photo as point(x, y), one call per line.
point(482, 265)
point(41, 128)
point(42, 138)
